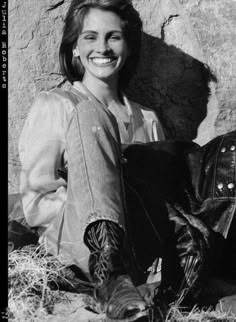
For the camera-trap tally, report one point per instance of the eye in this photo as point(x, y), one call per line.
point(115, 36)
point(90, 37)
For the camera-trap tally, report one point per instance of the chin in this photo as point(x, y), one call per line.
point(107, 78)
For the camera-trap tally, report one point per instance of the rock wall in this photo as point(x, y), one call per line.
point(187, 72)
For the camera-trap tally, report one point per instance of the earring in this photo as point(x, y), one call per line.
point(75, 52)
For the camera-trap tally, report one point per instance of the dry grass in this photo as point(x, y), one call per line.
point(31, 298)
point(197, 315)
point(31, 272)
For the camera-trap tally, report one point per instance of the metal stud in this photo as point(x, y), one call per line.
point(223, 150)
point(124, 160)
point(232, 148)
point(230, 185)
point(220, 186)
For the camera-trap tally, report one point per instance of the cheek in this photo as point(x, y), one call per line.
point(120, 50)
point(82, 57)
point(83, 46)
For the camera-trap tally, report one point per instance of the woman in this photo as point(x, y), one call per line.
point(82, 216)
point(82, 219)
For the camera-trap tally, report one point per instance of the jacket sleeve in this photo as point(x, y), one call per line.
point(41, 151)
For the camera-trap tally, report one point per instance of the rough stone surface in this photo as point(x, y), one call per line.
point(180, 38)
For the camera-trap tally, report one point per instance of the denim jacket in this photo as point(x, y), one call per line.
point(42, 148)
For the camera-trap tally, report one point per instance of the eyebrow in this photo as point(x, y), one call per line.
point(95, 32)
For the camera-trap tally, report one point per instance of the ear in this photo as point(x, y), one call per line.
point(75, 52)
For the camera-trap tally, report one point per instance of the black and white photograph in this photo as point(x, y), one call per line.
point(121, 160)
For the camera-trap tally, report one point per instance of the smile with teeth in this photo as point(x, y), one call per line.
point(102, 61)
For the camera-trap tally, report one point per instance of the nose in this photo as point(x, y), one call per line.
point(102, 45)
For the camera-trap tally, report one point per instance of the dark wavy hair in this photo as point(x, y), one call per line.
point(71, 66)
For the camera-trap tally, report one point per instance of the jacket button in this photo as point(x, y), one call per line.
point(230, 185)
point(124, 160)
point(232, 148)
point(220, 186)
point(223, 150)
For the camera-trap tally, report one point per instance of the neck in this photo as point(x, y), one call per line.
point(104, 92)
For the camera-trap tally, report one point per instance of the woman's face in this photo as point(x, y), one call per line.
point(101, 46)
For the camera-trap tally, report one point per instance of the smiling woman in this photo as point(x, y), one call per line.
point(103, 192)
point(101, 48)
point(81, 215)
point(131, 26)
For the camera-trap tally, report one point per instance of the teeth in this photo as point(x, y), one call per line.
point(101, 61)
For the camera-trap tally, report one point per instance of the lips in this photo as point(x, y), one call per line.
point(102, 61)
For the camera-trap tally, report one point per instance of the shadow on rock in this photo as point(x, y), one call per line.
point(178, 90)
